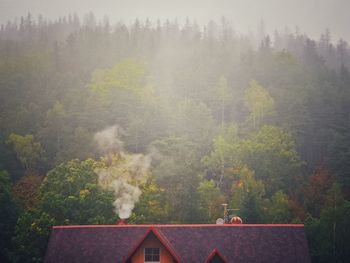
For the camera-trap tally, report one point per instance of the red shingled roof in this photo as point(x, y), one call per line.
point(189, 243)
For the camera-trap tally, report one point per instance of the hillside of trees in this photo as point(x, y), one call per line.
point(258, 121)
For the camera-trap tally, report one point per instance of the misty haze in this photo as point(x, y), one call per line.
point(159, 112)
point(313, 17)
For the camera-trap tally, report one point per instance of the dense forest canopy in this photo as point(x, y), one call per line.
point(162, 123)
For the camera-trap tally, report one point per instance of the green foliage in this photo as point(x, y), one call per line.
point(177, 161)
point(329, 235)
point(259, 103)
point(127, 94)
point(70, 195)
point(210, 198)
point(224, 155)
point(127, 74)
point(54, 132)
point(270, 152)
point(221, 99)
point(150, 209)
point(31, 236)
point(247, 194)
point(80, 146)
point(8, 216)
point(56, 114)
point(276, 210)
point(29, 152)
point(194, 121)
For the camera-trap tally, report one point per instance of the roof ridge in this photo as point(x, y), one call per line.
point(178, 225)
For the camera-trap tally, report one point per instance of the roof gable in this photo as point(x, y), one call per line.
point(161, 238)
point(216, 257)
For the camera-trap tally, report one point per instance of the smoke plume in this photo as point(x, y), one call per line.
point(108, 142)
point(123, 173)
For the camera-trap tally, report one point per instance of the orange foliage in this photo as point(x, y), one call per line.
point(296, 209)
point(26, 191)
point(315, 190)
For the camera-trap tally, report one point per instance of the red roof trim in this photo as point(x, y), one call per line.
point(165, 242)
point(161, 239)
point(212, 255)
point(178, 225)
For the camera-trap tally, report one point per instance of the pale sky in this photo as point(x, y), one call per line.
point(311, 16)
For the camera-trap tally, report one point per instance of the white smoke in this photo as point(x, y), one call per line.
point(123, 173)
point(108, 142)
point(127, 196)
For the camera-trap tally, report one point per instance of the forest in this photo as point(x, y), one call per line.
point(162, 122)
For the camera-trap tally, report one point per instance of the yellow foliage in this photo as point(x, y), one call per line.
point(83, 193)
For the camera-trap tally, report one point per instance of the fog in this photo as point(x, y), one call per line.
point(163, 124)
point(311, 17)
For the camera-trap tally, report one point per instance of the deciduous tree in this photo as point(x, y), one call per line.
point(27, 150)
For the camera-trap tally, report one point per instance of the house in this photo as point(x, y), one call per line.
point(178, 243)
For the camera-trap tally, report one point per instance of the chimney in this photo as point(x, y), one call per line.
point(122, 221)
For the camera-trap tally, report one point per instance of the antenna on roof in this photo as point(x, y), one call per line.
point(229, 219)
